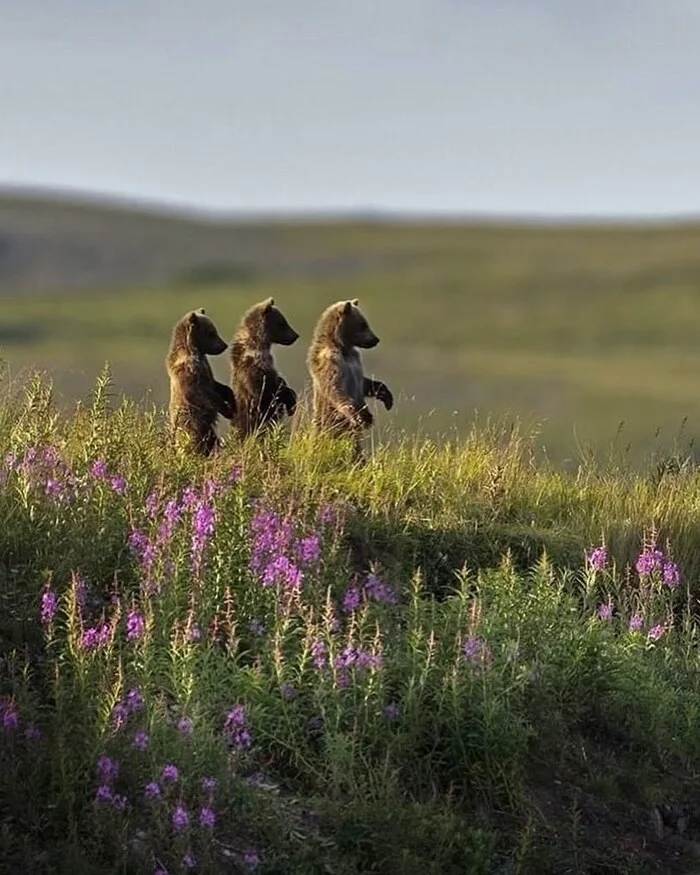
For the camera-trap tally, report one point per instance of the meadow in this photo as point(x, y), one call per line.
point(586, 334)
point(453, 658)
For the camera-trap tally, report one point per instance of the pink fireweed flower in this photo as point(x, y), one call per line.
point(208, 785)
point(98, 469)
point(107, 769)
point(670, 575)
point(351, 599)
point(318, 654)
point(118, 484)
point(636, 622)
point(189, 861)
point(649, 561)
point(604, 612)
point(151, 790)
point(379, 591)
point(141, 740)
point(597, 557)
point(236, 729)
point(288, 692)
point(134, 701)
point(135, 625)
point(170, 773)
point(475, 650)
point(184, 725)
point(207, 818)
point(309, 549)
point(655, 632)
point(95, 636)
point(103, 795)
point(49, 603)
point(181, 818)
point(283, 573)
point(10, 717)
point(251, 859)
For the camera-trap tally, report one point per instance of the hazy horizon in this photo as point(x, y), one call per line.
point(455, 108)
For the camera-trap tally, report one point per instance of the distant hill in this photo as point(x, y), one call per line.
point(52, 243)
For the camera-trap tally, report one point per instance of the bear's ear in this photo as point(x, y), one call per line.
point(202, 311)
point(347, 308)
point(355, 303)
point(269, 304)
point(193, 318)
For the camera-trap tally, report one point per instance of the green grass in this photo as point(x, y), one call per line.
point(573, 331)
point(489, 721)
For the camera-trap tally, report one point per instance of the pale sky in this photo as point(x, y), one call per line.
point(540, 107)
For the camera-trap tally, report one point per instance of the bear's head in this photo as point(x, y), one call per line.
point(353, 328)
point(203, 335)
point(277, 329)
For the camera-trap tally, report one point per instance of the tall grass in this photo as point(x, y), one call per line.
point(280, 661)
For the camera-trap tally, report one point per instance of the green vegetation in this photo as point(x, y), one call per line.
point(407, 666)
point(573, 330)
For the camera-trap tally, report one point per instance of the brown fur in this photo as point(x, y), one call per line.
point(262, 394)
point(196, 399)
point(338, 381)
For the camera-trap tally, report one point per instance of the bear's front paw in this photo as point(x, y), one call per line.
point(289, 399)
point(385, 396)
point(366, 417)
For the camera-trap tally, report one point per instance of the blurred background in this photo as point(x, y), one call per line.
point(510, 189)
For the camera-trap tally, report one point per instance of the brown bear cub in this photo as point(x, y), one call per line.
point(339, 384)
point(196, 398)
point(262, 395)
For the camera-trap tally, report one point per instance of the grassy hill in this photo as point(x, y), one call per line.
point(575, 330)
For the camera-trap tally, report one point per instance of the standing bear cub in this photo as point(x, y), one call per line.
point(339, 384)
point(262, 395)
point(196, 398)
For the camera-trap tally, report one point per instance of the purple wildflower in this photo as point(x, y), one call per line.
point(604, 612)
point(103, 794)
point(649, 561)
point(134, 701)
point(170, 773)
point(120, 712)
point(234, 474)
point(98, 469)
point(288, 692)
point(207, 818)
point(636, 622)
point(202, 530)
point(475, 650)
point(309, 549)
point(152, 500)
point(152, 790)
point(655, 632)
point(283, 573)
point(379, 591)
point(351, 599)
point(391, 711)
point(181, 818)
point(135, 625)
point(189, 861)
point(118, 484)
point(194, 633)
point(318, 654)
point(10, 717)
point(597, 558)
point(184, 725)
point(141, 740)
point(95, 637)
point(119, 802)
point(48, 606)
point(251, 859)
point(670, 575)
point(107, 769)
point(208, 785)
point(236, 728)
